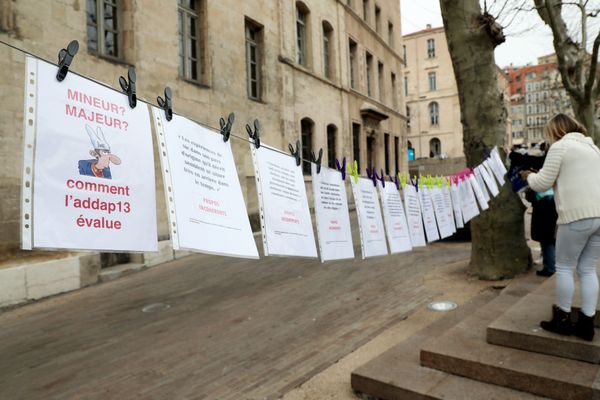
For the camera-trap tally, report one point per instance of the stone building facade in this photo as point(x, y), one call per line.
point(537, 94)
point(434, 125)
point(432, 105)
point(326, 72)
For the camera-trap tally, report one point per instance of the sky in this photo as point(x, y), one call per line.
point(527, 36)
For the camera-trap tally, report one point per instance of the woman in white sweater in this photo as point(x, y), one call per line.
point(572, 168)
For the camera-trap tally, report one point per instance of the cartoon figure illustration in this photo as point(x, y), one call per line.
point(99, 166)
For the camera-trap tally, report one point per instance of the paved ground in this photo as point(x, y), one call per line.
point(235, 329)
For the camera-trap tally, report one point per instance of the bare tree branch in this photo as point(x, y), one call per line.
point(562, 44)
point(593, 66)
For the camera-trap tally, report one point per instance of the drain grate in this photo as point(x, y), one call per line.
point(442, 306)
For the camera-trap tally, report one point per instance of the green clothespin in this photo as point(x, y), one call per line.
point(440, 182)
point(353, 171)
point(402, 178)
point(428, 182)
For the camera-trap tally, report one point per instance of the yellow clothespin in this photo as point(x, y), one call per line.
point(428, 181)
point(402, 178)
point(353, 171)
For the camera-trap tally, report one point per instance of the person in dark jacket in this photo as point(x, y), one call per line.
point(543, 227)
point(544, 215)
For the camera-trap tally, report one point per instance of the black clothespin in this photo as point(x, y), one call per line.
point(226, 126)
point(317, 160)
point(296, 152)
point(381, 178)
point(256, 134)
point(166, 103)
point(486, 153)
point(372, 175)
point(341, 168)
point(395, 180)
point(65, 58)
point(128, 86)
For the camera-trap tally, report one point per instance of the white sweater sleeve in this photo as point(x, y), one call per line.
point(545, 179)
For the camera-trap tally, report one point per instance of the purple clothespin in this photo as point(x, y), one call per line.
point(341, 168)
point(487, 153)
point(381, 178)
point(372, 175)
point(415, 183)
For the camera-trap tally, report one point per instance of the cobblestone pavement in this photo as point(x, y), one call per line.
point(234, 329)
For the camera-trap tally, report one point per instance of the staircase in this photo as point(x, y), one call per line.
point(491, 348)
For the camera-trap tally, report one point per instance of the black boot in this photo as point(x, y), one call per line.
point(584, 327)
point(560, 323)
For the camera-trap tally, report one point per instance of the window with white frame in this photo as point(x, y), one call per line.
point(430, 48)
point(302, 34)
point(432, 81)
point(253, 59)
point(352, 50)
point(190, 18)
point(369, 73)
point(434, 113)
point(327, 50)
point(103, 27)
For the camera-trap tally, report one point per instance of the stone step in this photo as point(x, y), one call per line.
point(396, 374)
point(112, 273)
point(519, 328)
point(463, 351)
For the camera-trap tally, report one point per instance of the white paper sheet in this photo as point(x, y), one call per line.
point(481, 183)
point(94, 185)
point(490, 183)
point(478, 193)
point(285, 216)
point(413, 216)
point(429, 221)
point(456, 206)
point(202, 189)
point(444, 221)
point(395, 220)
point(468, 201)
point(331, 213)
point(497, 166)
point(370, 223)
point(448, 208)
point(488, 167)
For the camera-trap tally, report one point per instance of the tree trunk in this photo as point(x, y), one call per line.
point(584, 112)
point(498, 249)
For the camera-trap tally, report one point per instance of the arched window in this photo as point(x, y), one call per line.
point(331, 142)
point(306, 136)
point(327, 50)
point(435, 147)
point(409, 144)
point(302, 33)
point(434, 113)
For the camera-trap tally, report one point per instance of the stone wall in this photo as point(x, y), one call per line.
point(150, 43)
point(435, 167)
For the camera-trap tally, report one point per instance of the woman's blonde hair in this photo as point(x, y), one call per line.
point(560, 125)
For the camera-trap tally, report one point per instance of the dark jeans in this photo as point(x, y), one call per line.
point(549, 256)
